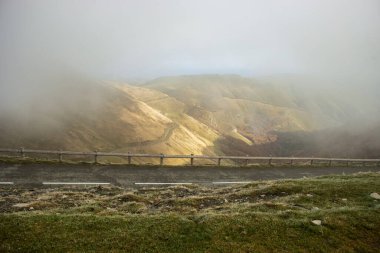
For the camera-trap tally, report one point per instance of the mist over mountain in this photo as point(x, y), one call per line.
point(200, 114)
point(189, 125)
point(305, 76)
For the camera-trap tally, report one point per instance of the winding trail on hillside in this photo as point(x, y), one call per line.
point(164, 137)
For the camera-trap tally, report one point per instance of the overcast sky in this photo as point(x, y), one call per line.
point(330, 39)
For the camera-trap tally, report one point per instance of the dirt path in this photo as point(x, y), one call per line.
point(164, 137)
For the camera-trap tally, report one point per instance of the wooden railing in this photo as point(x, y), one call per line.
point(263, 160)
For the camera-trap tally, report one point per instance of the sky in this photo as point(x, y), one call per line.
point(45, 40)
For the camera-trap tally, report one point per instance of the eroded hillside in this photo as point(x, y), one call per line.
point(123, 120)
point(244, 108)
point(207, 114)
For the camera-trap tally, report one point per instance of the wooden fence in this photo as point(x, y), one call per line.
point(244, 160)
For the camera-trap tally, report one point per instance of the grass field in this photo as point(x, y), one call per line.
point(266, 216)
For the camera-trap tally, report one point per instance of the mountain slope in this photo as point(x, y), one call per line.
point(206, 114)
point(232, 104)
point(119, 122)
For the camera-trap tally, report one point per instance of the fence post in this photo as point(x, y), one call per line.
point(162, 159)
point(96, 157)
point(192, 160)
point(219, 161)
point(129, 158)
point(270, 161)
point(60, 156)
point(22, 154)
point(311, 162)
point(291, 162)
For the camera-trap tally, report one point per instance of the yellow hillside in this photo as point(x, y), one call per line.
point(207, 114)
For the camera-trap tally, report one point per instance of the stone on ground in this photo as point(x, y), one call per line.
point(21, 205)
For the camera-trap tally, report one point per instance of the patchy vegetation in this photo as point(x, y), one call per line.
point(281, 216)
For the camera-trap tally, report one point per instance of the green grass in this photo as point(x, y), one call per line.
point(266, 216)
point(344, 231)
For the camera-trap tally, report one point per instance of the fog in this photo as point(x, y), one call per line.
point(336, 40)
point(49, 47)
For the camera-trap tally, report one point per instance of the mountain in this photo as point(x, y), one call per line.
point(244, 107)
point(116, 120)
point(200, 114)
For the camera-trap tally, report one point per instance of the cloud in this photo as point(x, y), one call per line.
point(336, 41)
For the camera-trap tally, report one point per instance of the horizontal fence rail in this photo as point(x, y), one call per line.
point(268, 159)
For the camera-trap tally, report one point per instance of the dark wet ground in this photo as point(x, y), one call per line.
point(127, 176)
